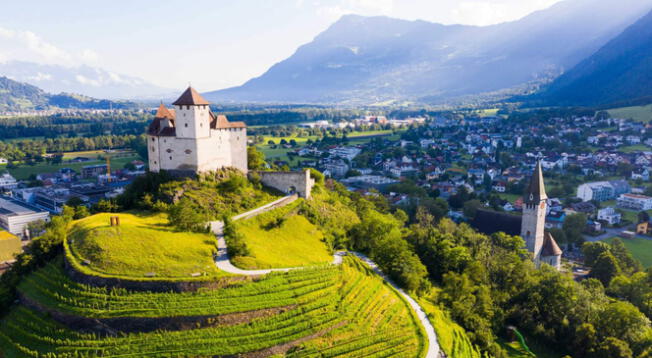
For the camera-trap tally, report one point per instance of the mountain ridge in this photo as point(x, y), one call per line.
point(619, 71)
point(380, 58)
point(18, 96)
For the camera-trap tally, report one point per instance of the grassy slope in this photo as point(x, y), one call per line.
point(9, 245)
point(637, 113)
point(295, 242)
point(641, 249)
point(452, 337)
point(350, 309)
point(143, 243)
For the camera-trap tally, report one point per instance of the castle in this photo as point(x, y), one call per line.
point(190, 139)
point(530, 226)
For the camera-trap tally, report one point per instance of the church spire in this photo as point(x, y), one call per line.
point(536, 191)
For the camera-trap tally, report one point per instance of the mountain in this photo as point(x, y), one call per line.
point(378, 58)
point(619, 71)
point(18, 96)
point(87, 80)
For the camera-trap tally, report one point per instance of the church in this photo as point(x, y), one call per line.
point(190, 139)
point(530, 226)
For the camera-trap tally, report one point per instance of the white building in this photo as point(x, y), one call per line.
point(610, 215)
point(190, 139)
point(8, 182)
point(635, 202)
point(15, 216)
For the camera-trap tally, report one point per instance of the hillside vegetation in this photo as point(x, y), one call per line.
point(282, 238)
point(329, 311)
point(143, 244)
point(18, 96)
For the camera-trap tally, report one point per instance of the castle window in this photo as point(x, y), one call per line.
point(169, 150)
point(186, 125)
point(153, 149)
point(155, 162)
point(188, 151)
point(170, 158)
point(153, 140)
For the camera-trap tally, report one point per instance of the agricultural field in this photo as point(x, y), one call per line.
point(142, 245)
point(453, 339)
point(327, 311)
point(641, 249)
point(282, 238)
point(637, 113)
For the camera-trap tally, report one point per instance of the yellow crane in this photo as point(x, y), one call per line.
point(108, 169)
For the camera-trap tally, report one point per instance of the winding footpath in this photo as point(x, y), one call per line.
point(223, 263)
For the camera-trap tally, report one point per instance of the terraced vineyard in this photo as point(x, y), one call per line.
point(326, 311)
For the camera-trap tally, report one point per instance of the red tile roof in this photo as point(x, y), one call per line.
point(190, 98)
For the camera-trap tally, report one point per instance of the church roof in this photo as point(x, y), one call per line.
point(190, 98)
point(550, 247)
point(491, 222)
point(536, 191)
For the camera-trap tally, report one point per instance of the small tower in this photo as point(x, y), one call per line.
point(192, 115)
point(534, 214)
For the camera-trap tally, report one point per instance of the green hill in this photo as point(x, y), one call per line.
point(18, 96)
point(97, 297)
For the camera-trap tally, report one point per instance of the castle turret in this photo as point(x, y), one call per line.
point(192, 115)
point(534, 214)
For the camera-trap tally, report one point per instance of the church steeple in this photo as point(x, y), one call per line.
point(536, 191)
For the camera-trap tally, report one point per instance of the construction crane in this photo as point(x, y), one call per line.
point(108, 169)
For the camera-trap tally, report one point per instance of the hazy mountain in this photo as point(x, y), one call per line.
point(619, 71)
point(380, 58)
point(18, 96)
point(86, 80)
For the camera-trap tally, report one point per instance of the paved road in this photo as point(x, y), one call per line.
point(223, 263)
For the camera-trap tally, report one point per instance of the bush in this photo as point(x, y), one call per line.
point(234, 240)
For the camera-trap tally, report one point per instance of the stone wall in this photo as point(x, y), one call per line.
point(289, 182)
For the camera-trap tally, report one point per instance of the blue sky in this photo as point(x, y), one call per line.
point(211, 43)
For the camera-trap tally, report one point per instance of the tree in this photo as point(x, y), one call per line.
point(613, 348)
point(573, 226)
point(185, 217)
point(605, 268)
point(255, 158)
point(628, 264)
point(81, 212)
point(471, 208)
point(592, 250)
point(643, 216)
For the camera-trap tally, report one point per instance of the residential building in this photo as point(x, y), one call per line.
point(635, 202)
point(609, 215)
point(603, 190)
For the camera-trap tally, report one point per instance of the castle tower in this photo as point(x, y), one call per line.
point(192, 115)
point(534, 215)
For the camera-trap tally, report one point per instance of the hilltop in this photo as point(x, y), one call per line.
point(148, 287)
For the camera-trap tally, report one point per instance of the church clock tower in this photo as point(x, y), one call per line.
point(534, 215)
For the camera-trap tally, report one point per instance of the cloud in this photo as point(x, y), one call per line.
point(29, 46)
point(40, 77)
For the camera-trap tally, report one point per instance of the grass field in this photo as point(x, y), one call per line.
point(9, 245)
point(142, 244)
point(509, 197)
point(635, 148)
point(282, 238)
point(25, 171)
point(638, 113)
point(641, 249)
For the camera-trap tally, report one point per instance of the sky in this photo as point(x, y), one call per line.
point(211, 44)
